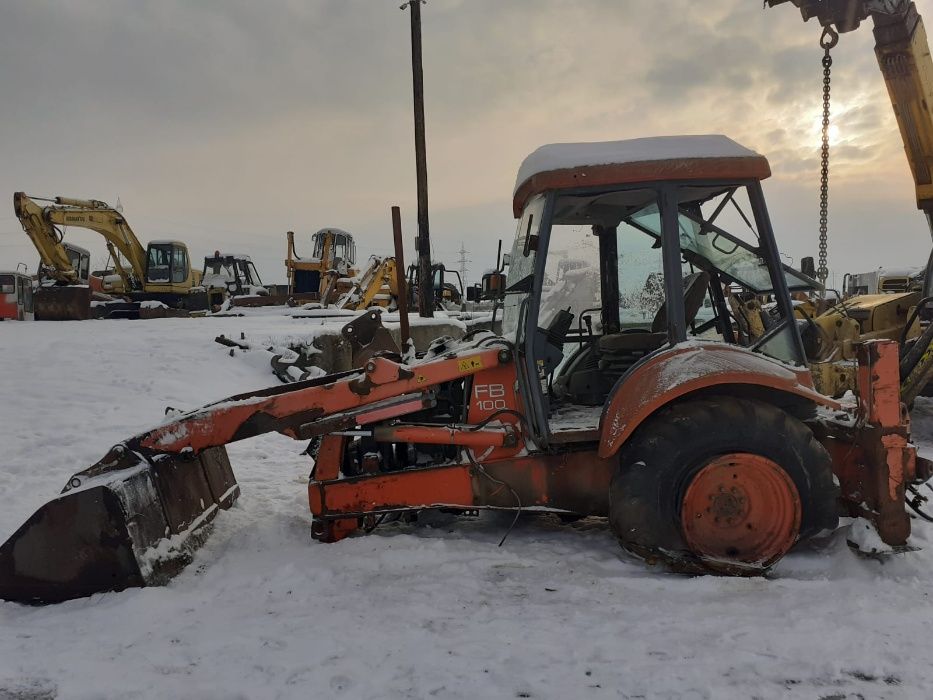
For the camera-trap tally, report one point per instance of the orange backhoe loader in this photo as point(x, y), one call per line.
point(619, 388)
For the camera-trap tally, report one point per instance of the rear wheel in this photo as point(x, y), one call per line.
point(724, 485)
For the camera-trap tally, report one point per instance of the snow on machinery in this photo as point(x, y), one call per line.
point(883, 281)
point(226, 275)
point(328, 273)
point(160, 272)
point(330, 276)
point(705, 454)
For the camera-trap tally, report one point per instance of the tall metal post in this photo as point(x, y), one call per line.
point(400, 276)
point(425, 283)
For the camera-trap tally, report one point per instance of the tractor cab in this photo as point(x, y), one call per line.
point(333, 252)
point(627, 250)
point(226, 274)
point(446, 287)
point(335, 248)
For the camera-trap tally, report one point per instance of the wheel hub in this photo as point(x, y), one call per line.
point(741, 508)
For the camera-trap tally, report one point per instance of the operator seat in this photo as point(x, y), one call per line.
point(637, 339)
point(592, 372)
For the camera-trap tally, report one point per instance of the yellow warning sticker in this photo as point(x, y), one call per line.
point(470, 364)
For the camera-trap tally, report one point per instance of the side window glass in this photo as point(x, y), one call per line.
point(27, 296)
point(158, 267)
point(179, 265)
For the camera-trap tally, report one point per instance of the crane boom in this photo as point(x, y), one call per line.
point(903, 54)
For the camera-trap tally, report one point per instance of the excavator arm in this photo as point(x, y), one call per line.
point(46, 238)
point(100, 217)
point(41, 225)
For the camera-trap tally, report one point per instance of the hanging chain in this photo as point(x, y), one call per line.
point(828, 40)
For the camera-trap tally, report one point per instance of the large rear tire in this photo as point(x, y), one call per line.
point(721, 485)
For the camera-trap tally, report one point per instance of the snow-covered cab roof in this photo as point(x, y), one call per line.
point(652, 159)
point(333, 230)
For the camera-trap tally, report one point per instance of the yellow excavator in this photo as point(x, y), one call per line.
point(65, 283)
point(903, 55)
point(160, 272)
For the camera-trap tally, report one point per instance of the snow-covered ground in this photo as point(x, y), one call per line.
point(433, 609)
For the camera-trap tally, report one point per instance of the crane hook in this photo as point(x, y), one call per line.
point(829, 38)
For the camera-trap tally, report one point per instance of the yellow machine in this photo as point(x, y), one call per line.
point(159, 272)
point(377, 286)
point(327, 274)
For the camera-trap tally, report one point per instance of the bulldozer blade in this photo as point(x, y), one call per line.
point(63, 303)
point(127, 521)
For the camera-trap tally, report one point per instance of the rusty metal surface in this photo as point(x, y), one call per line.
point(689, 368)
point(873, 457)
point(400, 283)
point(109, 529)
point(741, 507)
point(733, 168)
point(575, 482)
point(367, 336)
point(71, 303)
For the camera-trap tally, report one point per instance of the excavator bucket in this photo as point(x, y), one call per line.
point(130, 520)
point(71, 303)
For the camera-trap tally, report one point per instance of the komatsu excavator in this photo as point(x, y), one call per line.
point(159, 272)
point(903, 55)
point(706, 453)
point(65, 284)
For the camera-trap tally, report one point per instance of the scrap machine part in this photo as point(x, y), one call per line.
point(62, 303)
point(127, 521)
point(367, 336)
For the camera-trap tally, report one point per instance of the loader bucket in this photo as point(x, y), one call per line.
point(127, 521)
point(63, 303)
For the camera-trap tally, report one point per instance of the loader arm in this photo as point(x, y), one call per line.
point(46, 238)
point(318, 406)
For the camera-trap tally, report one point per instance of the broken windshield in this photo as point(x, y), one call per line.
point(736, 259)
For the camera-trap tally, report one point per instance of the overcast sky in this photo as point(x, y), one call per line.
point(225, 123)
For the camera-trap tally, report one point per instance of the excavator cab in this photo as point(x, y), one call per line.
point(167, 265)
point(80, 261)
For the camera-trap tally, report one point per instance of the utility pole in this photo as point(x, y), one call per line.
point(463, 264)
point(425, 282)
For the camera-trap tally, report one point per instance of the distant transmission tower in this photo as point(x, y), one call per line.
point(463, 264)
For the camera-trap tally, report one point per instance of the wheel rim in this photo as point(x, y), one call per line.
point(741, 508)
